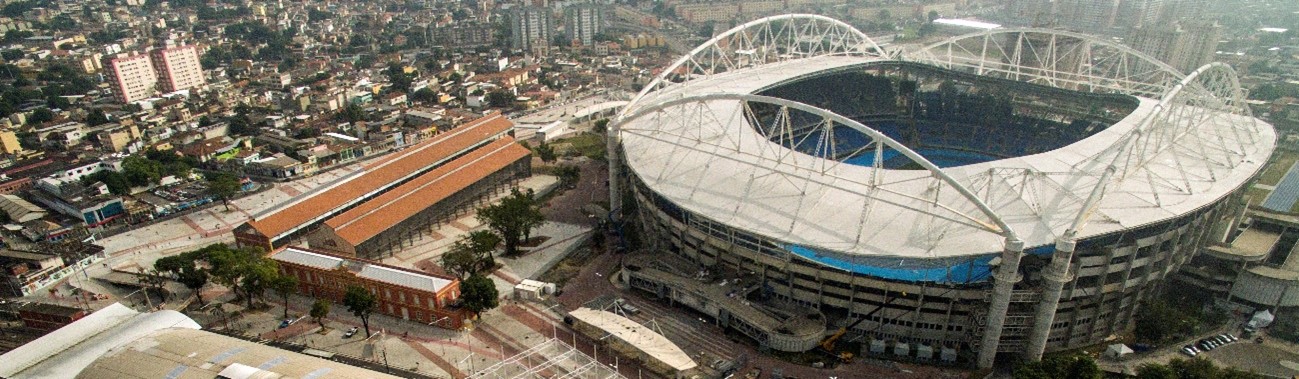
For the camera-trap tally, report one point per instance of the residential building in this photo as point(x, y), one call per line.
point(583, 22)
point(178, 67)
point(1087, 15)
point(1186, 45)
point(407, 294)
point(462, 35)
point(531, 27)
point(23, 270)
point(48, 317)
point(132, 77)
point(1134, 13)
point(9, 142)
point(92, 205)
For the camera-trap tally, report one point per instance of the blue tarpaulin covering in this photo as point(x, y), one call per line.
point(974, 270)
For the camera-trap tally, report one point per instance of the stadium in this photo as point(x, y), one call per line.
point(1009, 192)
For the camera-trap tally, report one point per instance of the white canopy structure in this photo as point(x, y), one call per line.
point(693, 137)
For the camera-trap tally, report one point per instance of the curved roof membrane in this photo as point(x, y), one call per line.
point(700, 144)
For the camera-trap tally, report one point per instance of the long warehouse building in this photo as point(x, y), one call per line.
point(383, 190)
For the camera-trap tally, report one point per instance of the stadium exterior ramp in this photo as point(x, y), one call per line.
point(932, 255)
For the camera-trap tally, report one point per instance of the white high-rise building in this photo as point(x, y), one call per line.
point(132, 77)
point(531, 27)
point(1186, 45)
point(582, 22)
point(170, 68)
point(178, 67)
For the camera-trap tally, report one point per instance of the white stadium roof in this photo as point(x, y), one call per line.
point(692, 143)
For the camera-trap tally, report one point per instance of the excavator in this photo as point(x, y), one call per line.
point(828, 345)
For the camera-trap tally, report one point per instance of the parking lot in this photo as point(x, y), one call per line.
point(1262, 358)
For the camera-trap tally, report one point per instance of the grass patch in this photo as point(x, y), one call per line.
point(1278, 167)
point(1257, 195)
point(589, 145)
point(570, 266)
point(1286, 325)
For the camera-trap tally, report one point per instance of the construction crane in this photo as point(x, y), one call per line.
point(827, 345)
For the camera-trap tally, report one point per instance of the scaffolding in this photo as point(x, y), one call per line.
point(552, 358)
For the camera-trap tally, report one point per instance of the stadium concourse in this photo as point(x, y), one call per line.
point(381, 208)
point(1010, 191)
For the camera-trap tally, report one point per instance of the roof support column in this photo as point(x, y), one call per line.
point(615, 169)
point(1006, 276)
point(1054, 277)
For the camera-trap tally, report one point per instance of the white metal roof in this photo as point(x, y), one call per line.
point(66, 351)
point(1038, 195)
point(307, 258)
point(967, 23)
point(403, 278)
point(652, 344)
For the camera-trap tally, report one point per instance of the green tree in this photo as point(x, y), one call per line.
point(223, 186)
point(425, 95)
point(352, 113)
point(1155, 371)
point(400, 80)
point(172, 264)
point(545, 152)
point(12, 54)
point(245, 271)
point(259, 275)
point(242, 125)
point(361, 303)
point(500, 99)
point(568, 175)
point(141, 171)
point(320, 310)
point(513, 218)
point(194, 279)
point(479, 294)
point(40, 116)
point(151, 279)
point(116, 182)
point(1157, 321)
point(1059, 367)
point(600, 125)
point(471, 254)
point(96, 118)
point(285, 285)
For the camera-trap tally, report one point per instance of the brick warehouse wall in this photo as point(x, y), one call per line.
point(394, 300)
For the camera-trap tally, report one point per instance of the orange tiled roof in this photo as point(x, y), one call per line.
point(383, 173)
point(384, 212)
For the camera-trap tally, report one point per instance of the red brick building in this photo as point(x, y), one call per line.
point(48, 317)
point(402, 293)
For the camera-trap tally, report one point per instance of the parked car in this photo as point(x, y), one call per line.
point(350, 332)
point(1232, 337)
point(1188, 351)
point(286, 323)
point(754, 373)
